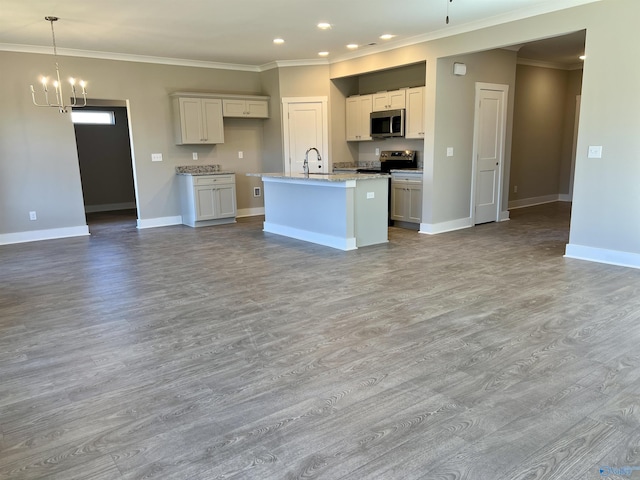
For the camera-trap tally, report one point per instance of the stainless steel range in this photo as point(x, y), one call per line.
point(392, 160)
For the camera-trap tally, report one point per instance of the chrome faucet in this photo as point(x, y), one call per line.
point(305, 165)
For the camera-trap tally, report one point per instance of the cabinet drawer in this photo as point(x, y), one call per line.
point(212, 179)
point(406, 179)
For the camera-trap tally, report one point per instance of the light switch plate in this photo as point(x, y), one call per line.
point(156, 157)
point(240, 154)
point(195, 155)
point(595, 151)
point(449, 151)
point(371, 194)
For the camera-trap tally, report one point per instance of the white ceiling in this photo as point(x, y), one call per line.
point(242, 31)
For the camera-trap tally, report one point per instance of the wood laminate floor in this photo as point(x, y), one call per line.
point(228, 353)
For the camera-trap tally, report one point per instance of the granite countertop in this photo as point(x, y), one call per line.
point(201, 170)
point(323, 177)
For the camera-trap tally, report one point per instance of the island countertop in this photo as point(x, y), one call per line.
point(323, 177)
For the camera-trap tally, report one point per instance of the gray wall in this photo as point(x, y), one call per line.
point(38, 144)
point(455, 109)
point(392, 79)
point(544, 115)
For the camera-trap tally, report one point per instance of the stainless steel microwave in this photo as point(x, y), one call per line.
point(389, 123)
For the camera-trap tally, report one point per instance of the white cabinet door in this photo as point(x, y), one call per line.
point(226, 201)
point(212, 124)
point(205, 203)
point(414, 202)
point(397, 201)
point(245, 108)
point(380, 101)
point(257, 109)
point(190, 120)
point(233, 108)
point(415, 113)
point(358, 116)
point(406, 199)
point(397, 99)
point(198, 121)
point(392, 100)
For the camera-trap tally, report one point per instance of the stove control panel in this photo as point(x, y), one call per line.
point(402, 155)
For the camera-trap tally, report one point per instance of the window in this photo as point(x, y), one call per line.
point(93, 117)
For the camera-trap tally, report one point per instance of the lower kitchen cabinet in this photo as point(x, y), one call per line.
point(406, 199)
point(208, 199)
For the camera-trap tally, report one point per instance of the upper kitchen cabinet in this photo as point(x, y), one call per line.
point(389, 100)
point(197, 120)
point(358, 112)
point(415, 113)
point(254, 107)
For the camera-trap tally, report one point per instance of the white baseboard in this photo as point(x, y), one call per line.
point(109, 207)
point(602, 255)
point(450, 226)
point(250, 212)
point(530, 202)
point(159, 222)
point(504, 216)
point(313, 237)
point(37, 235)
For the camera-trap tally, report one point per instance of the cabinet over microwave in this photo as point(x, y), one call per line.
point(389, 123)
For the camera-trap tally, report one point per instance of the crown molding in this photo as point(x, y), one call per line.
point(293, 63)
point(123, 57)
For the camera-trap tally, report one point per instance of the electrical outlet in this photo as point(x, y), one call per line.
point(33, 216)
point(256, 191)
point(595, 151)
point(240, 154)
point(515, 189)
point(156, 157)
point(377, 151)
point(195, 155)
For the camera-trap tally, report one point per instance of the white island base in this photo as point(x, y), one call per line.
point(340, 211)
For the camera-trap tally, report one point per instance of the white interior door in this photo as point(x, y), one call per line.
point(490, 129)
point(305, 126)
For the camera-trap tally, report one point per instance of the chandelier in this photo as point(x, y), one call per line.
point(57, 84)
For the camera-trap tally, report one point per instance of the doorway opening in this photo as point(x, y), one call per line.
point(106, 163)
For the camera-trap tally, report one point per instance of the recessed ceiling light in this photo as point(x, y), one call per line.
point(582, 57)
point(278, 41)
point(386, 36)
point(324, 26)
point(323, 54)
point(352, 46)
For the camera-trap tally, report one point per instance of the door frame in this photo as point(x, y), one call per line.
point(574, 146)
point(504, 88)
point(286, 101)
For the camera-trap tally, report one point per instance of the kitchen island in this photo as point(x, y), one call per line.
point(344, 211)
